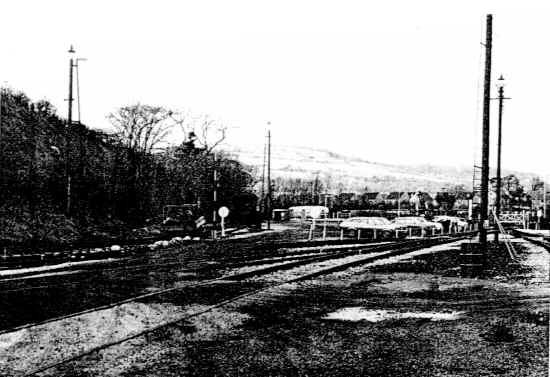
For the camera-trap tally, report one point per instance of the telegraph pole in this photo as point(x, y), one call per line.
point(67, 132)
point(544, 198)
point(262, 192)
point(1, 95)
point(544, 202)
point(485, 143)
point(1, 150)
point(215, 190)
point(500, 85)
point(268, 202)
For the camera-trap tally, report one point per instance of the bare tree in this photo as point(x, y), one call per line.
point(142, 128)
point(208, 132)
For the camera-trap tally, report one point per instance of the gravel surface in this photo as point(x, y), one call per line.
point(284, 330)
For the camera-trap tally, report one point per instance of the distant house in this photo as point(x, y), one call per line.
point(414, 200)
point(380, 200)
point(346, 197)
point(427, 199)
point(404, 199)
point(396, 197)
point(420, 200)
point(392, 198)
point(369, 198)
point(444, 200)
point(427, 196)
point(462, 199)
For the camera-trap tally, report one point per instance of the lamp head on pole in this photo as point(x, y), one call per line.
point(71, 50)
point(501, 83)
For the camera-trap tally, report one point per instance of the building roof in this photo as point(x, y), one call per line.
point(382, 195)
point(394, 195)
point(425, 195)
point(371, 195)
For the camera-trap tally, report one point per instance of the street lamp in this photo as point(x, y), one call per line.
point(501, 83)
point(67, 132)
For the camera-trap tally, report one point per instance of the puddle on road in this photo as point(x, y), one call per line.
point(361, 314)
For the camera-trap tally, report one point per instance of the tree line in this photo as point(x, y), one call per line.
point(289, 192)
point(49, 169)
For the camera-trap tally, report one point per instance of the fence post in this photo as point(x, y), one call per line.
point(358, 234)
point(311, 230)
point(410, 232)
point(325, 229)
point(341, 234)
point(374, 237)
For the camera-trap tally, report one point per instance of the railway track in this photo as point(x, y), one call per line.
point(179, 253)
point(539, 241)
point(78, 273)
point(266, 266)
point(133, 249)
point(326, 264)
point(80, 290)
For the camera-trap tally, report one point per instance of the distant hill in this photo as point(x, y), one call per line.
point(348, 173)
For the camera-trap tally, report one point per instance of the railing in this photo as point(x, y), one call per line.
point(512, 218)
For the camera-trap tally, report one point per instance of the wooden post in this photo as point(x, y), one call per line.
point(311, 230)
point(67, 133)
point(325, 229)
point(215, 194)
point(374, 236)
point(485, 139)
point(262, 190)
point(269, 179)
point(341, 234)
point(410, 232)
point(358, 234)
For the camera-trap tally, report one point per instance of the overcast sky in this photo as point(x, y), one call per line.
point(388, 81)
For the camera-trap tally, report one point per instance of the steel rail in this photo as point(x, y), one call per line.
point(269, 269)
point(311, 275)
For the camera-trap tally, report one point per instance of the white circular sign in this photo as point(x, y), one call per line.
point(223, 211)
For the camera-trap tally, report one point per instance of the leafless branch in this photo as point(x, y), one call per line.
point(141, 127)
